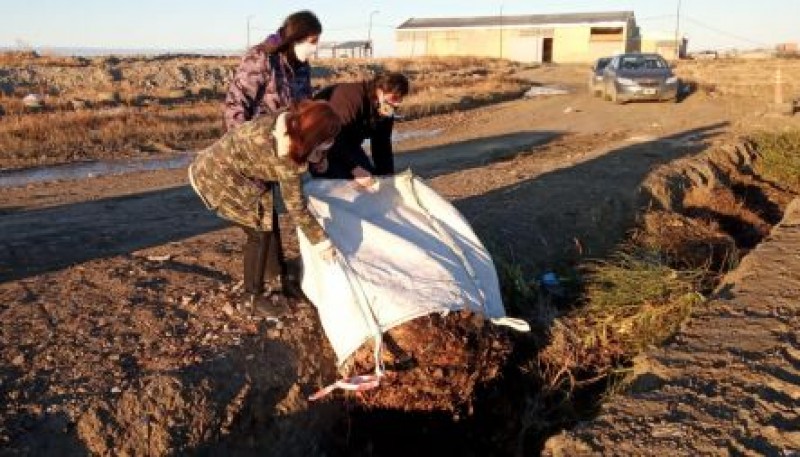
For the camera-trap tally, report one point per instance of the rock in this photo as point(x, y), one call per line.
point(228, 310)
point(159, 258)
point(107, 98)
point(78, 104)
point(33, 101)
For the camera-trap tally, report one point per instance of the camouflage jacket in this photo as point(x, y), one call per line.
point(263, 84)
point(235, 176)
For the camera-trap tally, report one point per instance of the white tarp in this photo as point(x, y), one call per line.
point(404, 251)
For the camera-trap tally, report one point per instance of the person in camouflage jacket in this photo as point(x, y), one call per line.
point(235, 177)
point(274, 73)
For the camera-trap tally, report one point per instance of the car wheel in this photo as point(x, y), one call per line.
point(615, 96)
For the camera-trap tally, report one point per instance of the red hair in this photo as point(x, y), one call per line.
point(310, 124)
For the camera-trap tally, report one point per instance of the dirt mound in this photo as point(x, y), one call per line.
point(436, 364)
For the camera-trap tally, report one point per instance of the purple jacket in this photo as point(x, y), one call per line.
point(263, 84)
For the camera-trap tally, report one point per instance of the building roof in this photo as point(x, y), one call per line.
point(344, 44)
point(523, 20)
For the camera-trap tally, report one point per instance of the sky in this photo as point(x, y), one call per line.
point(223, 25)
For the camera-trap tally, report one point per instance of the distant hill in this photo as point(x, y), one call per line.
point(100, 51)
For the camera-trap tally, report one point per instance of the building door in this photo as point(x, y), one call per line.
point(547, 50)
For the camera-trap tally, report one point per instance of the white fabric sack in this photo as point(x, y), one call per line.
point(404, 252)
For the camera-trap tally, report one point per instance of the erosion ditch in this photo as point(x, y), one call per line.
point(699, 216)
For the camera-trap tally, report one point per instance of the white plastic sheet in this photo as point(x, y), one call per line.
point(404, 252)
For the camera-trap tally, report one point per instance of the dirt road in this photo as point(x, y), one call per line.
point(114, 215)
point(116, 302)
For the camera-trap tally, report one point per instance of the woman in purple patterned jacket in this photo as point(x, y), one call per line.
point(274, 73)
point(272, 76)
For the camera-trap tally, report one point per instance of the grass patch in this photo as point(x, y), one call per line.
point(780, 157)
point(629, 302)
point(176, 101)
point(59, 137)
point(635, 300)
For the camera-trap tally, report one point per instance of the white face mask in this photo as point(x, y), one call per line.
point(304, 50)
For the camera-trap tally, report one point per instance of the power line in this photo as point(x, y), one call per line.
point(723, 32)
point(653, 18)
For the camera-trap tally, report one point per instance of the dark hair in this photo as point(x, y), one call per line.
point(296, 27)
point(309, 124)
point(392, 83)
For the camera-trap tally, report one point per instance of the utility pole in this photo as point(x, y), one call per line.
point(369, 31)
point(677, 31)
point(248, 29)
point(501, 30)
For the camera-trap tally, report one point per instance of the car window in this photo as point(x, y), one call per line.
point(642, 63)
point(601, 64)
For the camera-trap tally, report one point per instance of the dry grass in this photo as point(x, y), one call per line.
point(780, 157)
point(631, 301)
point(22, 58)
point(438, 84)
point(688, 243)
point(741, 77)
point(120, 118)
point(58, 137)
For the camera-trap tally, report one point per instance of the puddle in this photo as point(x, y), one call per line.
point(683, 141)
point(537, 91)
point(94, 169)
point(84, 170)
point(398, 137)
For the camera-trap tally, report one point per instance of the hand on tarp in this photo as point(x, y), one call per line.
point(321, 166)
point(364, 180)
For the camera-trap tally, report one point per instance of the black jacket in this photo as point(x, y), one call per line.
point(360, 121)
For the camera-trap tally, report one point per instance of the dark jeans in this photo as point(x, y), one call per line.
point(263, 257)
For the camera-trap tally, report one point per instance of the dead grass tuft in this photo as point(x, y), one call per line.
point(688, 243)
point(631, 301)
point(780, 157)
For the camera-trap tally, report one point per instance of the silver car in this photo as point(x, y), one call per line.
point(596, 76)
point(639, 77)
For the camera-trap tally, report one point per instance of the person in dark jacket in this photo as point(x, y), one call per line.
point(367, 110)
point(274, 73)
point(234, 177)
